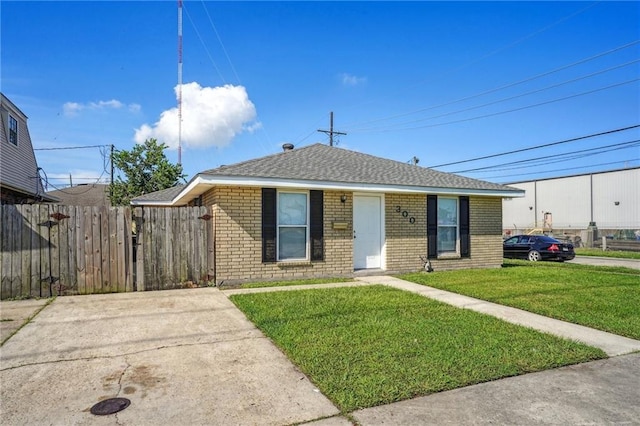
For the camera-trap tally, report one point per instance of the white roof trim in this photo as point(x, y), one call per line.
point(209, 181)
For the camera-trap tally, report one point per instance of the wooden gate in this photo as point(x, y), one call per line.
point(174, 247)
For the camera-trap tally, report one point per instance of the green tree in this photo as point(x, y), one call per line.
point(145, 169)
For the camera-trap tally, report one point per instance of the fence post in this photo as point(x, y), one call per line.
point(139, 220)
point(604, 243)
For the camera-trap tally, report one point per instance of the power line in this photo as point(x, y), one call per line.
point(560, 157)
point(508, 85)
point(564, 169)
point(70, 147)
point(498, 50)
point(593, 135)
point(519, 108)
point(553, 86)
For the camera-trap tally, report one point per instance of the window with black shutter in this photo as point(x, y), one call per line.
point(448, 226)
point(292, 225)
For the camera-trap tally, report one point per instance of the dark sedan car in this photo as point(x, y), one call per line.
point(537, 247)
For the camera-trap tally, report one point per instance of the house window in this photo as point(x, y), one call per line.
point(293, 225)
point(13, 131)
point(447, 225)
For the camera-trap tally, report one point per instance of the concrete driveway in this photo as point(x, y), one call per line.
point(181, 357)
point(606, 261)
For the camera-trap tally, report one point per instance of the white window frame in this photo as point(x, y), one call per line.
point(457, 227)
point(12, 132)
point(306, 226)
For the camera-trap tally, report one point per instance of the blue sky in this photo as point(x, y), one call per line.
point(441, 81)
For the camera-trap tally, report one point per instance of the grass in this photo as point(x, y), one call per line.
point(308, 281)
point(607, 253)
point(605, 298)
point(366, 346)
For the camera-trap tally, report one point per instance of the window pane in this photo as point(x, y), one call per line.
point(292, 209)
point(446, 238)
point(447, 211)
point(292, 243)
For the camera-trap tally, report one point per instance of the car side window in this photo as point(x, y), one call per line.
point(511, 241)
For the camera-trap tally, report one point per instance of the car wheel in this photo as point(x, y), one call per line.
point(534, 256)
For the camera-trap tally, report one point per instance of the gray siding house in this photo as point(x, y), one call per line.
point(19, 175)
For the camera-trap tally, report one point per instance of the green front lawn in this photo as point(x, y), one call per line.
point(366, 346)
point(595, 296)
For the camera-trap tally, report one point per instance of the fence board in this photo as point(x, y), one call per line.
point(81, 255)
point(72, 277)
point(54, 252)
point(7, 250)
point(26, 252)
point(140, 256)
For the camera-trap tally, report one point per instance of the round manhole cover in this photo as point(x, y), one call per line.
point(110, 406)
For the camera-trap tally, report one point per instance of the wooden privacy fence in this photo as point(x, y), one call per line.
point(48, 249)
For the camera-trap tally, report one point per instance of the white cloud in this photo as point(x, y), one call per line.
point(211, 116)
point(352, 80)
point(72, 109)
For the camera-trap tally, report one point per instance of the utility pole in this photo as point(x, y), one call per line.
point(111, 164)
point(330, 132)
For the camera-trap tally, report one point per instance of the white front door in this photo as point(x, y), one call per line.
point(367, 231)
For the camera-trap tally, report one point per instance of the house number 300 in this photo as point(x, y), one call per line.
point(405, 214)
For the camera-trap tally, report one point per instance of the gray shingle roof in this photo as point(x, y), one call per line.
point(162, 195)
point(83, 195)
point(320, 162)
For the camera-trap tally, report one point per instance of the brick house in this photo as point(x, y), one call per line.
point(327, 211)
point(19, 173)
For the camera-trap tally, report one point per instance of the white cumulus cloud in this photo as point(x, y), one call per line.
point(211, 116)
point(352, 80)
point(72, 109)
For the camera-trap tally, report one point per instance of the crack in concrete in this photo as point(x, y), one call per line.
point(120, 385)
point(89, 358)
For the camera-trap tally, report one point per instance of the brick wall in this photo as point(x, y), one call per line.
point(486, 237)
point(238, 241)
point(405, 241)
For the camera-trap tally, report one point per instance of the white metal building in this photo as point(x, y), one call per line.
point(610, 199)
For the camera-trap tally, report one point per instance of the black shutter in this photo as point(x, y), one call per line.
point(316, 200)
point(465, 241)
point(432, 226)
point(268, 224)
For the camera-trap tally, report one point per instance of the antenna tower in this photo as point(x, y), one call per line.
point(179, 82)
